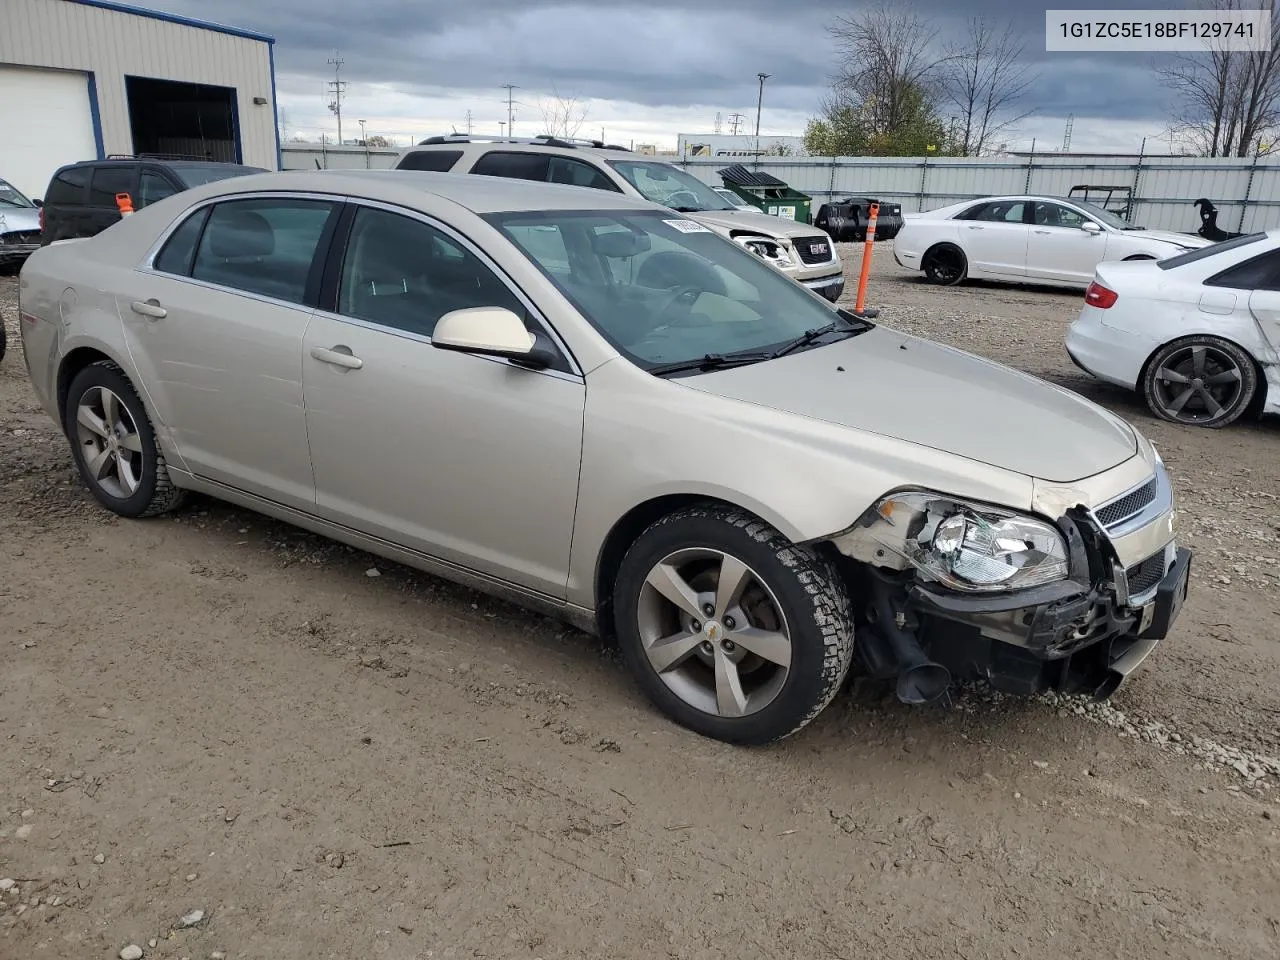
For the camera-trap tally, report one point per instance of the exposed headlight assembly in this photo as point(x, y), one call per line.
point(967, 546)
point(767, 249)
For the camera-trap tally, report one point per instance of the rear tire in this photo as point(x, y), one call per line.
point(750, 599)
point(944, 265)
point(1200, 381)
point(114, 445)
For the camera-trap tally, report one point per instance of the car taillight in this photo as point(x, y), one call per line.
point(1099, 296)
point(42, 219)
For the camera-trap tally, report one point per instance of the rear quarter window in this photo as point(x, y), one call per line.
point(107, 182)
point(436, 161)
point(68, 186)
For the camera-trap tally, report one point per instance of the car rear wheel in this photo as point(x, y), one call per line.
point(729, 628)
point(1200, 381)
point(114, 445)
point(945, 265)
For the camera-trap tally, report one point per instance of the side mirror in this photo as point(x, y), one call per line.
point(37, 204)
point(1090, 227)
point(490, 332)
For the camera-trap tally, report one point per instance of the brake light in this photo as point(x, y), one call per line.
point(42, 219)
point(1099, 296)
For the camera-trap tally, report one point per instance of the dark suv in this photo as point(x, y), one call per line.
point(81, 199)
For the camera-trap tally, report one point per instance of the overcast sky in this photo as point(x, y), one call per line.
point(646, 70)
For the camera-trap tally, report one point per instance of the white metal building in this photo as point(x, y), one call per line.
point(88, 79)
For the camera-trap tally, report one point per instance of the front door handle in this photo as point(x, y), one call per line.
point(149, 308)
point(1043, 231)
point(973, 226)
point(337, 358)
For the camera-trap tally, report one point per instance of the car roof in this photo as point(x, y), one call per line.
point(524, 146)
point(479, 194)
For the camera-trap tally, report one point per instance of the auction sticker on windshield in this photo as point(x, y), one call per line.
point(687, 226)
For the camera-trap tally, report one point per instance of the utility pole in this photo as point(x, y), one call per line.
point(759, 100)
point(511, 117)
point(468, 123)
point(502, 128)
point(1066, 137)
point(337, 85)
point(735, 121)
point(717, 123)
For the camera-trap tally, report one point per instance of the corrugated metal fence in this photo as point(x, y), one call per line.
point(1246, 192)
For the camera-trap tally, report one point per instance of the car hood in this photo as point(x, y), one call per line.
point(1169, 236)
point(762, 222)
point(19, 218)
point(915, 390)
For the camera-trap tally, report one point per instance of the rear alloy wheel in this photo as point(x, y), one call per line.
point(114, 445)
point(730, 629)
point(945, 265)
point(1200, 381)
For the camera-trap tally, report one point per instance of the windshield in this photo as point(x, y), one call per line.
point(195, 175)
point(1105, 216)
point(665, 290)
point(670, 186)
point(11, 197)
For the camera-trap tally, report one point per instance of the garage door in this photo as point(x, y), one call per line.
point(45, 122)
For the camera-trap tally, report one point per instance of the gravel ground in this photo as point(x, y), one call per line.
point(220, 736)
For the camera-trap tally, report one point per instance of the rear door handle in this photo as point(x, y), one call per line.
point(149, 308)
point(337, 358)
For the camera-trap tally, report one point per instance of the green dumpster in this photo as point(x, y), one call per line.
point(766, 192)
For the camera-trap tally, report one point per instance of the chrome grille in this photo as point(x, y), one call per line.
point(805, 245)
point(1145, 574)
point(1120, 510)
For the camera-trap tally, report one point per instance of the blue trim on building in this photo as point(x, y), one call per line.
point(95, 115)
point(174, 18)
point(275, 106)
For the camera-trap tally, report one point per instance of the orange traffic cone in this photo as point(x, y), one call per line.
point(124, 203)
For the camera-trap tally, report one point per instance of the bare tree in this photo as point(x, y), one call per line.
point(562, 116)
point(984, 76)
point(1228, 101)
point(885, 64)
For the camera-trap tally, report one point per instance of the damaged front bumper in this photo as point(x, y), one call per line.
point(1082, 633)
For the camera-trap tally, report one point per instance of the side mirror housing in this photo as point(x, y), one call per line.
point(37, 204)
point(490, 332)
point(1090, 227)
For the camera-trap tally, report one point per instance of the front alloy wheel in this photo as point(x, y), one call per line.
point(1200, 381)
point(732, 630)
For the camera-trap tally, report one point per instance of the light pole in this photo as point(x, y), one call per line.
point(759, 100)
point(364, 142)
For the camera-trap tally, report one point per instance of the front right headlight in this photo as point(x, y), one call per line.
point(970, 547)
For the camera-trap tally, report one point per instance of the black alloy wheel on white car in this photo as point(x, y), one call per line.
point(1200, 381)
point(944, 265)
point(729, 628)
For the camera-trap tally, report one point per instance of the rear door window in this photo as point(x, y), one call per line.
point(512, 165)
point(153, 186)
point(578, 174)
point(108, 181)
point(263, 246)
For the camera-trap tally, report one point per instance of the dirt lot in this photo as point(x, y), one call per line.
point(217, 712)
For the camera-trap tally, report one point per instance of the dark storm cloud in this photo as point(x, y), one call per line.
point(657, 53)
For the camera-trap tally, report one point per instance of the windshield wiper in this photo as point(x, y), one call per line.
point(712, 361)
point(687, 209)
point(809, 336)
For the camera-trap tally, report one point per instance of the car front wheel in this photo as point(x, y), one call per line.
point(729, 628)
point(114, 445)
point(1200, 381)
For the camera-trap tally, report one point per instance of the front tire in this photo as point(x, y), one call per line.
point(729, 628)
point(1200, 381)
point(945, 265)
point(114, 445)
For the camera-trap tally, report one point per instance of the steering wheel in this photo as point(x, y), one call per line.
point(684, 295)
point(693, 199)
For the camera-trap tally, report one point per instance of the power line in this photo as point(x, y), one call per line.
point(337, 86)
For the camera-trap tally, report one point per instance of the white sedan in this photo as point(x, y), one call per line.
point(1198, 334)
point(1027, 239)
